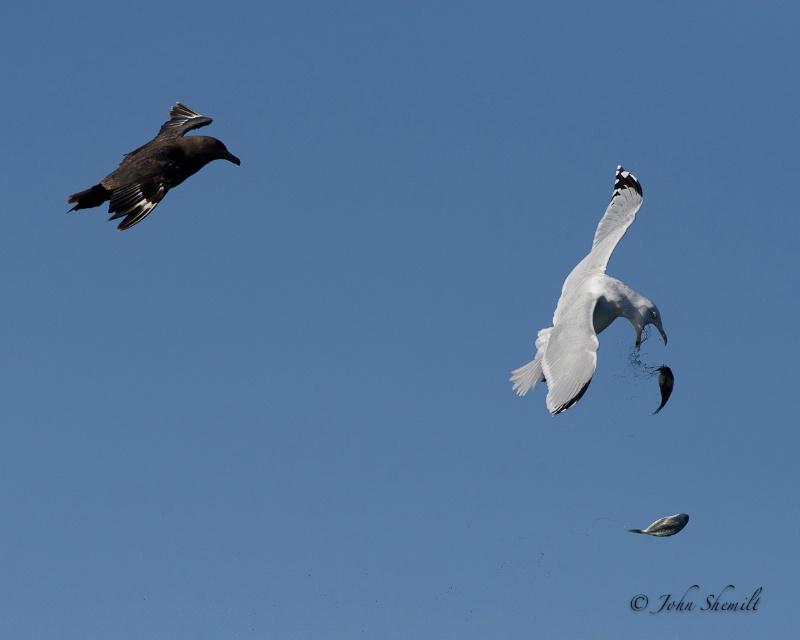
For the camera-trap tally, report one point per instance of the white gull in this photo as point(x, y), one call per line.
point(566, 355)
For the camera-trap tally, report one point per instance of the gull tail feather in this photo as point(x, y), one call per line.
point(635, 530)
point(526, 377)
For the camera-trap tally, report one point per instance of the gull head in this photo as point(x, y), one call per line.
point(647, 314)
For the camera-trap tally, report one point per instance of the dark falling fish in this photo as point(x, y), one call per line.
point(146, 174)
point(665, 382)
point(665, 526)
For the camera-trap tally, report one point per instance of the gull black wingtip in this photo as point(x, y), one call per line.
point(626, 180)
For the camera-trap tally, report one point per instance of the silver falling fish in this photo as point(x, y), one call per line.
point(665, 382)
point(665, 526)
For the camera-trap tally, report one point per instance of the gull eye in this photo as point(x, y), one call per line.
point(653, 314)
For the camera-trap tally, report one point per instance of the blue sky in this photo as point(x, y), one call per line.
point(279, 407)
